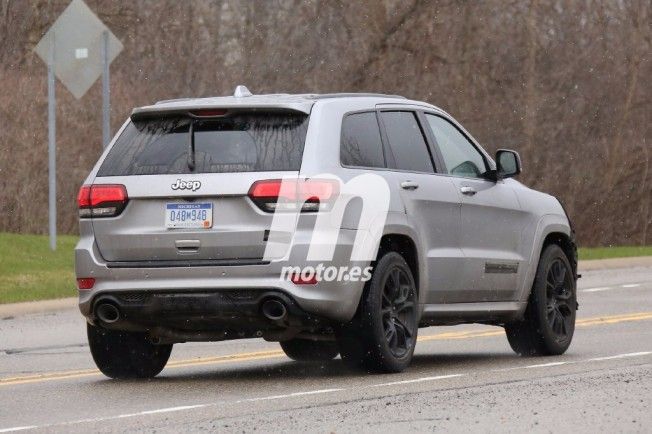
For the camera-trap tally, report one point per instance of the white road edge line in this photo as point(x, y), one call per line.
point(160, 410)
point(107, 418)
point(416, 380)
point(571, 362)
point(544, 365)
point(620, 356)
point(18, 428)
point(606, 288)
point(597, 289)
point(289, 395)
point(171, 409)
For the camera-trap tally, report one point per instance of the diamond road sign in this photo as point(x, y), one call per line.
point(76, 37)
point(77, 49)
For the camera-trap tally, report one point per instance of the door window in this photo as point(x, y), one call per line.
point(407, 142)
point(460, 156)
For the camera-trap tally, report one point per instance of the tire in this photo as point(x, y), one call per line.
point(120, 354)
point(382, 336)
point(306, 350)
point(549, 321)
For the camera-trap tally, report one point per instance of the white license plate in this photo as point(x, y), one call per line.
point(189, 215)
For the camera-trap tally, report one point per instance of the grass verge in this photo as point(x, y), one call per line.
point(29, 270)
point(587, 253)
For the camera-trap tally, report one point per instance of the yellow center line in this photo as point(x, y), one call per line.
point(272, 354)
point(614, 319)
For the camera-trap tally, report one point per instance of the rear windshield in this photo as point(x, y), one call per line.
point(246, 142)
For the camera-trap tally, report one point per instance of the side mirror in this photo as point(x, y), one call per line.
point(508, 163)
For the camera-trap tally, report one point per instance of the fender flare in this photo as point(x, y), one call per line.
point(547, 224)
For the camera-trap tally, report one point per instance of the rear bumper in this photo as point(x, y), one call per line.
point(331, 300)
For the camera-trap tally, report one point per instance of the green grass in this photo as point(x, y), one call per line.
point(29, 270)
point(614, 252)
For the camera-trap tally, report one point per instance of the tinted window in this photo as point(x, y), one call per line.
point(460, 156)
point(406, 141)
point(238, 143)
point(361, 144)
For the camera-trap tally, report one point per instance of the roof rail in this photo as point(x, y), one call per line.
point(354, 94)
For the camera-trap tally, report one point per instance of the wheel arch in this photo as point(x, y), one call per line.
point(406, 247)
point(404, 244)
point(567, 244)
point(551, 229)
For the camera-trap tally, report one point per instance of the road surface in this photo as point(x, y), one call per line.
point(462, 379)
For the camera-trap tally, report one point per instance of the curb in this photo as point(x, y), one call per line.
point(615, 263)
point(10, 310)
point(31, 307)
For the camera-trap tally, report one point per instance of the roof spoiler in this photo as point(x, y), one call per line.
point(150, 112)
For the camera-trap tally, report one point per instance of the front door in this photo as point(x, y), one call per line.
point(492, 221)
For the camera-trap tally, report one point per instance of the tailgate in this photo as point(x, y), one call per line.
point(171, 166)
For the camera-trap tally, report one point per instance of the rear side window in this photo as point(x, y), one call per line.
point(245, 142)
point(361, 144)
point(407, 142)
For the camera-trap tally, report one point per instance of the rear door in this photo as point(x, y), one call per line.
point(431, 202)
point(187, 179)
point(492, 221)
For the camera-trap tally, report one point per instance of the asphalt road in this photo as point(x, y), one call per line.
point(463, 379)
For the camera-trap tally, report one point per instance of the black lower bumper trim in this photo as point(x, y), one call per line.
point(196, 311)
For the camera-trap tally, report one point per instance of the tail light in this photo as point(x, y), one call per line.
point(298, 280)
point(85, 283)
point(101, 200)
point(308, 195)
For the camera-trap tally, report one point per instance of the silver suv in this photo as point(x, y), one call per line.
point(176, 218)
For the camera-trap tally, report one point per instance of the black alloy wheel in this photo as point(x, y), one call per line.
point(398, 308)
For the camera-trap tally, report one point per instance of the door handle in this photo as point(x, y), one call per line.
point(409, 185)
point(468, 191)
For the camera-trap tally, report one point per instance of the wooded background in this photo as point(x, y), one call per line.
point(566, 83)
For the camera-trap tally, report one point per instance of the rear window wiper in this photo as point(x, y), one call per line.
point(191, 145)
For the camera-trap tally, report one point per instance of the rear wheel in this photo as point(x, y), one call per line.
point(306, 350)
point(549, 322)
point(383, 335)
point(120, 354)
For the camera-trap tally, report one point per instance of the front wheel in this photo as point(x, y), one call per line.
point(549, 322)
point(121, 354)
point(383, 335)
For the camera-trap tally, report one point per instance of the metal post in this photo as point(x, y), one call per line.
point(52, 150)
point(106, 91)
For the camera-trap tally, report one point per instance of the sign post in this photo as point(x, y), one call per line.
point(52, 149)
point(106, 91)
point(83, 50)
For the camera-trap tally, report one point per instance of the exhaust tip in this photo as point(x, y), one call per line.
point(274, 309)
point(107, 313)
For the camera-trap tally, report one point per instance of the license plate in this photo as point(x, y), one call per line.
point(189, 215)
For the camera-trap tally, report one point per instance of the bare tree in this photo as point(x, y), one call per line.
point(564, 82)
